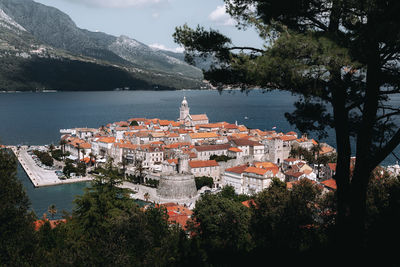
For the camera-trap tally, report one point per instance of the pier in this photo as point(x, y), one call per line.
point(40, 177)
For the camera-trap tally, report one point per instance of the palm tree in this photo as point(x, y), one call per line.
point(316, 150)
point(63, 142)
point(139, 170)
point(79, 150)
point(83, 153)
point(95, 160)
point(123, 163)
point(91, 155)
point(146, 196)
point(52, 210)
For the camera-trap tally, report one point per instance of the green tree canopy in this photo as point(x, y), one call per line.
point(18, 243)
point(341, 57)
point(221, 226)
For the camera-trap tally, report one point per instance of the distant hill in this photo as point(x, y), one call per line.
point(42, 48)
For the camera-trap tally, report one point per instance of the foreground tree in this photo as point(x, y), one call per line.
point(17, 246)
point(221, 228)
point(342, 57)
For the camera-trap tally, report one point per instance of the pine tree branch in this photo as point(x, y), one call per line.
point(385, 151)
point(246, 48)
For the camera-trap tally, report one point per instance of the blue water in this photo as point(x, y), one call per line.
point(35, 119)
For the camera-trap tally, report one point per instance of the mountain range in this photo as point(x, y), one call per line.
point(41, 48)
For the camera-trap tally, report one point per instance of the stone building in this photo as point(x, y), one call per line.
point(204, 152)
point(205, 168)
point(234, 177)
point(179, 183)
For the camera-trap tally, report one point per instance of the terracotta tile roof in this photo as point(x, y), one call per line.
point(326, 149)
point(173, 135)
point(203, 135)
point(238, 169)
point(170, 161)
point(235, 149)
point(184, 131)
point(242, 129)
point(302, 140)
point(142, 134)
point(53, 223)
point(139, 127)
point(157, 134)
point(157, 143)
point(192, 155)
point(255, 170)
point(212, 147)
point(265, 164)
point(203, 163)
point(314, 142)
point(244, 142)
point(249, 203)
point(307, 172)
point(126, 145)
point(294, 173)
point(178, 214)
point(332, 166)
point(199, 117)
point(137, 119)
point(230, 126)
point(178, 145)
point(121, 123)
point(210, 125)
point(291, 133)
point(85, 146)
point(175, 124)
point(121, 128)
point(108, 140)
point(288, 138)
point(289, 185)
point(331, 183)
point(87, 160)
point(164, 122)
point(129, 133)
point(240, 135)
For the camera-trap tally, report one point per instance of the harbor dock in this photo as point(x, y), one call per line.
point(40, 177)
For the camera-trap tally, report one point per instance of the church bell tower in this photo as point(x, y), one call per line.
point(184, 110)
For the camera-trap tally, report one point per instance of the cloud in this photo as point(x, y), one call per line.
point(163, 47)
point(118, 3)
point(220, 17)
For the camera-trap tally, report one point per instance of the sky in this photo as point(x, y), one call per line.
point(153, 21)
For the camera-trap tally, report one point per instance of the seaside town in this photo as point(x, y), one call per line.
point(174, 162)
point(171, 154)
point(230, 154)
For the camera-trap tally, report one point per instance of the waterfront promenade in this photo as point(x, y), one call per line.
point(40, 177)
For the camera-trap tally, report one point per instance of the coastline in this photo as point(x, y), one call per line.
point(38, 176)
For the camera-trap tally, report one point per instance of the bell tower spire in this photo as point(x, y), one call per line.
point(184, 109)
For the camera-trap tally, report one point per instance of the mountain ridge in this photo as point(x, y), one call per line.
point(36, 31)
